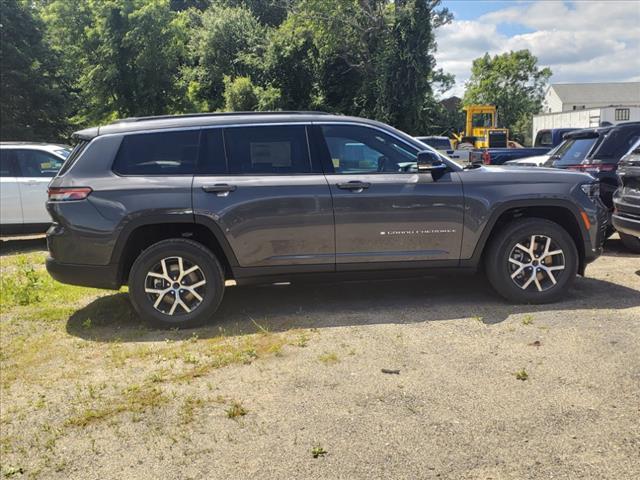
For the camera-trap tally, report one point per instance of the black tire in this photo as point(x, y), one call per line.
point(504, 257)
point(630, 242)
point(149, 272)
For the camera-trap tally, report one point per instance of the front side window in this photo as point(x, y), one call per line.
point(36, 163)
point(356, 149)
point(267, 150)
point(162, 153)
point(544, 139)
point(482, 120)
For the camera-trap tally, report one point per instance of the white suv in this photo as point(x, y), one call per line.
point(25, 172)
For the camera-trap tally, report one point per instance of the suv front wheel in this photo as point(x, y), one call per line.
point(532, 260)
point(176, 283)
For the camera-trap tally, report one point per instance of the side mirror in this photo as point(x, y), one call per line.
point(429, 161)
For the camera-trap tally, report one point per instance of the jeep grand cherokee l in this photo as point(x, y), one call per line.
point(176, 205)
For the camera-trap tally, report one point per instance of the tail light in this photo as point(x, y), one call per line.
point(595, 167)
point(64, 194)
point(486, 157)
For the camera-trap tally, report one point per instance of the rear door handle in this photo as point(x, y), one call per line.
point(220, 189)
point(354, 185)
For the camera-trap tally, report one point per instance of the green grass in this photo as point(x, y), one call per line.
point(235, 410)
point(329, 358)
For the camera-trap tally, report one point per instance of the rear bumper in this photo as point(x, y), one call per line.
point(96, 276)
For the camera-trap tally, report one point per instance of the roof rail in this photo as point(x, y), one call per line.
point(215, 114)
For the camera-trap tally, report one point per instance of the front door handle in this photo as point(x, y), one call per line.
point(219, 188)
point(353, 185)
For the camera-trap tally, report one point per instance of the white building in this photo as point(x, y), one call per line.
point(585, 105)
point(565, 97)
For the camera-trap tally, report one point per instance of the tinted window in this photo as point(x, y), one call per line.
point(618, 142)
point(212, 152)
point(73, 156)
point(355, 149)
point(573, 151)
point(162, 153)
point(544, 139)
point(267, 150)
point(7, 163)
point(36, 163)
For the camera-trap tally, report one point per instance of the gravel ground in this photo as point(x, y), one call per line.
point(459, 407)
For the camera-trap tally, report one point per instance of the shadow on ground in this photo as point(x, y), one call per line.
point(13, 246)
point(279, 308)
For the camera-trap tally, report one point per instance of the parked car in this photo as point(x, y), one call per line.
point(175, 205)
point(626, 200)
point(602, 155)
point(550, 137)
point(25, 172)
point(443, 145)
point(500, 156)
point(535, 161)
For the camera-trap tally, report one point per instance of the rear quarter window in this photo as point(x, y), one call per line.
point(161, 153)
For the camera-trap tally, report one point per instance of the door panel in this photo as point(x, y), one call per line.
point(399, 217)
point(37, 168)
point(384, 210)
point(275, 209)
point(10, 205)
point(271, 220)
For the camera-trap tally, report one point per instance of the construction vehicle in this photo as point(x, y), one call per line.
point(481, 129)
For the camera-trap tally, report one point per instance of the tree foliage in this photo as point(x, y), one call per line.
point(514, 83)
point(34, 95)
point(120, 58)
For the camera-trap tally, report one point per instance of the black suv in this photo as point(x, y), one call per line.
point(174, 206)
point(626, 200)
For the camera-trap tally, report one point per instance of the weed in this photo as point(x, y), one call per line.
point(302, 340)
point(187, 412)
point(236, 410)
point(479, 319)
point(318, 451)
point(522, 375)
point(329, 358)
point(87, 323)
point(527, 320)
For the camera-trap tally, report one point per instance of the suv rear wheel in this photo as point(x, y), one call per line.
point(176, 283)
point(532, 260)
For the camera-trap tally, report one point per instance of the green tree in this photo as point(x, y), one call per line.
point(512, 82)
point(33, 93)
point(124, 54)
point(239, 95)
point(227, 43)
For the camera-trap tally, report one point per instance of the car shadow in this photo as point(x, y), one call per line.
point(615, 248)
point(12, 246)
point(251, 309)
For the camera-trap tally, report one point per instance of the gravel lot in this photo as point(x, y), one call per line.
point(291, 371)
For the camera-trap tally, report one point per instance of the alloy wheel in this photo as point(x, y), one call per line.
point(536, 263)
point(175, 286)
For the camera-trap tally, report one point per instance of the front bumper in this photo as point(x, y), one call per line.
point(626, 224)
point(96, 276)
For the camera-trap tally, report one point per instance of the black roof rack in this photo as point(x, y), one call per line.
point(215, 114)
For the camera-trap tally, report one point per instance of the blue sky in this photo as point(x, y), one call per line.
point(581, 41)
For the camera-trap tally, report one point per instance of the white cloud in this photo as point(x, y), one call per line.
point(579, 41)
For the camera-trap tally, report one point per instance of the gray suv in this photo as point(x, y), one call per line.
point(176, 205)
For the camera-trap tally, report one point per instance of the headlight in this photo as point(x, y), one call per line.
point(592, 190)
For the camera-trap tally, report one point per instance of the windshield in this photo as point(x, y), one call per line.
point(571, 152)
point(63, 152)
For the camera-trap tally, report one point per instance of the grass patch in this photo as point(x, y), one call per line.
point(329, 358)
point(318, 451)
point(522, 375)
point(527, 320)
point(235, 410)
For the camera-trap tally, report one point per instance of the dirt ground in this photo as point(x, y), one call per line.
point(288, 382)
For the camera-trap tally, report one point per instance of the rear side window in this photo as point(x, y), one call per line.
point(73, 156)
point(617, 143)
point(162, 153)
point(36, 163)
point(544, 139)
point(267, 150)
